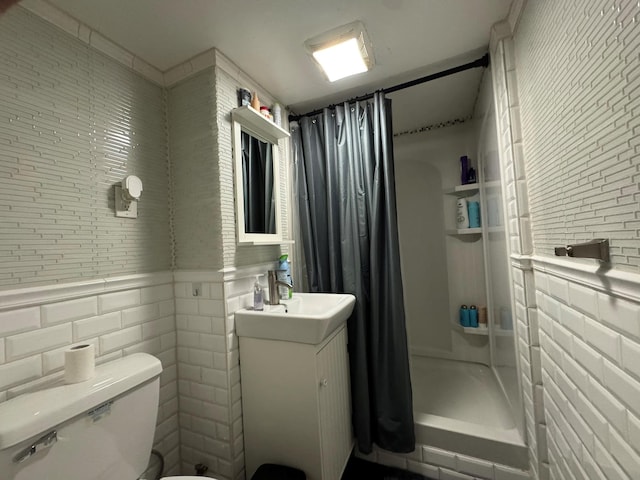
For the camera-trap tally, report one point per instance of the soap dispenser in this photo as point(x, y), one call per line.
point(258, 295)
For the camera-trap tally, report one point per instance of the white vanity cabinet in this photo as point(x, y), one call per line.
point(296, 405)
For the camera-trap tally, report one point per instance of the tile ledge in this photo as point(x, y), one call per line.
point(611, 281)
point(33, 296)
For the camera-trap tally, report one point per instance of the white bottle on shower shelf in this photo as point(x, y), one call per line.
point(462, 214)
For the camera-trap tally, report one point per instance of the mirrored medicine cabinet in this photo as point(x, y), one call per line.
point(257, 177)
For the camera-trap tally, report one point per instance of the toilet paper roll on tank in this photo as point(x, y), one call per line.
point(79, 363)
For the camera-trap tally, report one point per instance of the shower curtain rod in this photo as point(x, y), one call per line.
point(480, 62)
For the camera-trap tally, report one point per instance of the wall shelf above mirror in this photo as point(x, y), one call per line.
point(256, 123)
point(258, 189)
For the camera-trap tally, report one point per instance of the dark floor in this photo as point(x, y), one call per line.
point(358, 469)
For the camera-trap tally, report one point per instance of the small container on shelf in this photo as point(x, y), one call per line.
point(255, 102)
point(277, 114)
point(474, 214)
point(464, 316)
point(482, 317)
point(244, 97)
point(464, 170)
point(264, 110)
point(462, 214)
point(473, 316)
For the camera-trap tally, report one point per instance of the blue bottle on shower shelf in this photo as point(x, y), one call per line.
point(473, 316)
point(474, 214)
point(464, 316)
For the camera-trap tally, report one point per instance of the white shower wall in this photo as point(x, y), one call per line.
point(440, 272)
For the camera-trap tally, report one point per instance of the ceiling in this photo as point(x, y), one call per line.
point(265, 38)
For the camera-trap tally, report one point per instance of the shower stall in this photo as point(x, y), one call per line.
point(466, 395)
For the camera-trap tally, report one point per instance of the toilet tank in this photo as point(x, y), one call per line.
point(101, 429)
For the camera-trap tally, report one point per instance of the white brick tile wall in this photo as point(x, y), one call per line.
point(69, 310)
point(156, 328)
point(591, 403)
point(204, 387)
point(138, 315)
point(620, 314)
point(623, 386)
point(118, 300)
point(157, 294)
point(603, 339)
point(120, 339)
point(34, 356)
point(15, 321)
point(20, 371)
point(37, 341)
point(631, 356)
point(94, 326)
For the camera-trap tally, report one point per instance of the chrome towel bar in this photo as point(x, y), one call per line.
point(597, 248)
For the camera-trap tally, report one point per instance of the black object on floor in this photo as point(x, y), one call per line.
point(358, 469)
point(270, 471)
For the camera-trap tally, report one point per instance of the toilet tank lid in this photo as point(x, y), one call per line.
point(34, 413)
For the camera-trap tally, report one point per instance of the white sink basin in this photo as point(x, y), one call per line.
point(306, 318)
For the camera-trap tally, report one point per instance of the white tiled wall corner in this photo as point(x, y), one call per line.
point(507, 102)
point(33, 356)
point(192, 146)
point(205, 378)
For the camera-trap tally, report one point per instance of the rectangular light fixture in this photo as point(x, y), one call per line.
point(342, 52)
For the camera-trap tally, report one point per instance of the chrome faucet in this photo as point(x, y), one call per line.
point(274, 294)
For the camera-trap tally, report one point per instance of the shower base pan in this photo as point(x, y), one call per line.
point(459, 406)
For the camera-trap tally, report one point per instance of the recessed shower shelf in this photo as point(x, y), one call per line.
point(498, 332)
point(473, 330)
point(463, 190)
point(465, 231)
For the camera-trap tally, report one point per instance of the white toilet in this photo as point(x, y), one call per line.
point(101, 429)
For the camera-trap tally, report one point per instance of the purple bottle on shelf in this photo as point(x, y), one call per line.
point(464, 170)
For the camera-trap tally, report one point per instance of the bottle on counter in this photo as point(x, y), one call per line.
point(258, 295)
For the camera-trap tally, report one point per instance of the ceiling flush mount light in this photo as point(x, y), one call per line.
point(342, 52)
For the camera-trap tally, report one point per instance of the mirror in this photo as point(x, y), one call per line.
point(257, 185)
point(256, 164)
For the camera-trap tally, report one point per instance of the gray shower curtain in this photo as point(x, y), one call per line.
point(344, 182)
